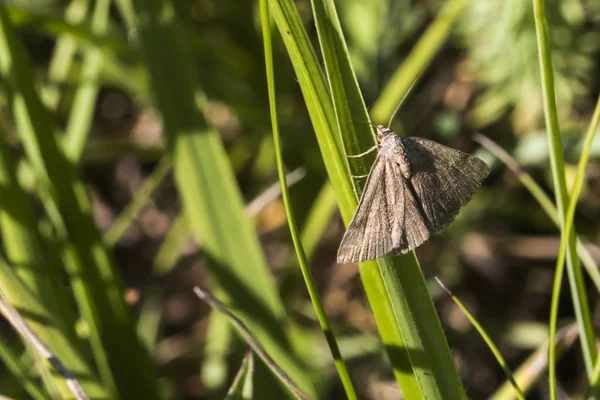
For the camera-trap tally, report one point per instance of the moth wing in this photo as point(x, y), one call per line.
point(377, 227)
point(416, 231)
point(444, 179)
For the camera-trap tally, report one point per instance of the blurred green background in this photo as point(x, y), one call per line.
point(497, 257)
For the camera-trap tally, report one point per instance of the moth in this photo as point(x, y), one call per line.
point(415, 189)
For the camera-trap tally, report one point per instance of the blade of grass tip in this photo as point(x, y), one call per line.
point(306, 271)
point(241, 387)
point(84, 102)
point(578, 293)
point(487, 340)
point(535, 366)
point(254, 344)
point(543, 200)
point(127, 216)
point(579, 178)
point(421, 55)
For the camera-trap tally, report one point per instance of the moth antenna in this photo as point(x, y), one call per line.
point(412, 85)
point(364, 122)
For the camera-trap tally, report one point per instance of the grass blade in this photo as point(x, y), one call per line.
point(487, 340)
point(302, 260)
point(206, 183)
point(21, 374)
point(536, 365)
point(579, 178)
point(580, 302)
point(350, 111)
point(64, 52)
point(316, 96)
point(219, 338)
point(35, 263)
point(40, 348)
point(40, 322)
point(543, 200)
point(396, 289)
point(119, 353)
point(241, 388)
point(84, 104)
point(421, 55)
point(254, 344)
point(128, 215)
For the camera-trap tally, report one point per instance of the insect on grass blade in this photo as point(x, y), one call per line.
point(415, 189)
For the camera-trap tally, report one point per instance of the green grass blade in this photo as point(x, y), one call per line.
point(490, 343)
point(242, 387)
point(566, 234)
point(580, 302)
point(535, 366)
point(418, 59)
point(119, 353)
point(543, 200)
point(20, 373)
point(84, 104)
point(320, 215)
point(64, 52)
point(596, 373)
point(163, 263)
point(41, 323)
point(53, 26)
point(410, 329)
point(316, 96)
point(302, 260)
point(350, 111)
point(127, 12)
point(218, 345)
point(170, 249)
point(128, 215)
point(396, 289)
point(37, 265)
point(251, 340)
point(208, 189)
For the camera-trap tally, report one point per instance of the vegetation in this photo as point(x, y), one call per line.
point(171, 175)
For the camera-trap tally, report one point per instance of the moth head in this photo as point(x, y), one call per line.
point(383, 132)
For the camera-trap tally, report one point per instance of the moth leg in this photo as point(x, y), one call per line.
point(359, 176)
point(362, 154)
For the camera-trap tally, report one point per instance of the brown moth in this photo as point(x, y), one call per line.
point(415, 188)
